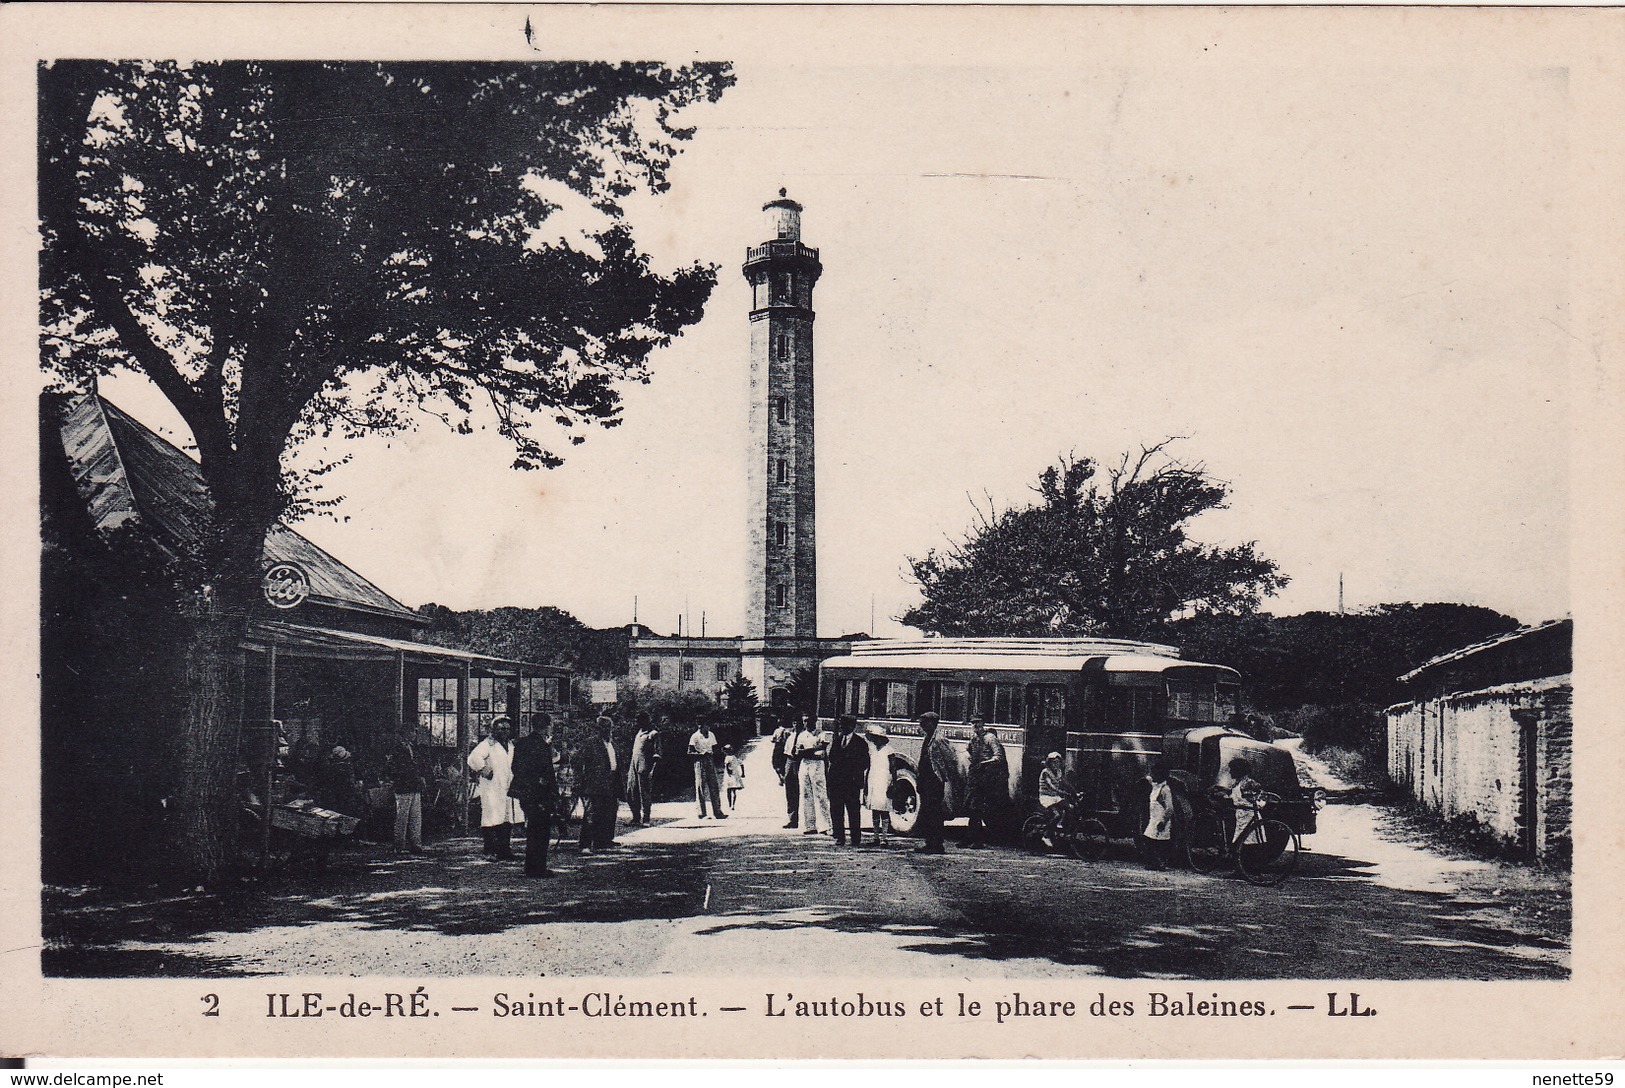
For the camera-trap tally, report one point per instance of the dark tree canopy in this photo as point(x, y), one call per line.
point(1328, 658)
point(295, 251)
point(1095, 555)
point(316, 248)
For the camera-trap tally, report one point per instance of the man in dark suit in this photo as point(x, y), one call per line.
point(598, 781)
point(928, 778)
point(787, 765)
point(846, 772)
point(536, 788)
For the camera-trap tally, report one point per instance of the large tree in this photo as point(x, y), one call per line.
point(306, 251)
point(1098, 553)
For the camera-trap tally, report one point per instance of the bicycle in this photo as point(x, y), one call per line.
point(1065, 827)
point(1264, 849)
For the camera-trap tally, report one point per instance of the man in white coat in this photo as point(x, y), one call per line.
point(492, 764)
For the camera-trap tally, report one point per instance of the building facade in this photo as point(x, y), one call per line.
point(781, 577)
point(1487, 737)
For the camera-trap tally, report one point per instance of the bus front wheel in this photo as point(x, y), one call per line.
point(905, 801)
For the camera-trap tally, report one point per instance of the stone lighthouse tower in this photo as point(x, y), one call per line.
point(781, 612)
point(781, 577)
point(782, 586)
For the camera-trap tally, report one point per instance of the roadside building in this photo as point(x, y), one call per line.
point(329, 657)
point(1487, 737)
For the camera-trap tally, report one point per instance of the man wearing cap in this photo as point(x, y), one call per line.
point(535, 784)
point(929, 781)
point(989, 781)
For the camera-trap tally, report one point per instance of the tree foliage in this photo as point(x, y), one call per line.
point(1099, 553)
point(801, 690)
point(1328, 658)
point(545, 636)
point(295, 251)
point(739, 696)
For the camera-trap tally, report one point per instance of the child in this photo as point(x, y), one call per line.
point(878, 785)
point(1159, 827)
point(733, 776)
point(1244, 796)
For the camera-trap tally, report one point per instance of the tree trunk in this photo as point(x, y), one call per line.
point(205, 838)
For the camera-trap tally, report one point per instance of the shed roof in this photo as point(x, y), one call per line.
point(1489, 645)
point(123, 471)
point(300, 640)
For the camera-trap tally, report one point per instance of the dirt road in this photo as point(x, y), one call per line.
point(746, 896)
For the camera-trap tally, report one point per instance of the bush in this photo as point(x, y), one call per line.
point(1352, 767)
point(1354, 727)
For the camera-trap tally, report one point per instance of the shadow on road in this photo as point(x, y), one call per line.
point(1112, 917)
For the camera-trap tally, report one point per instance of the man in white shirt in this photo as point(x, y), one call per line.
point(492, 764)
point(702, 747)
point(812, 746)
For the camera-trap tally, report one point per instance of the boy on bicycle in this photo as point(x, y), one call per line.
point(1053, 787)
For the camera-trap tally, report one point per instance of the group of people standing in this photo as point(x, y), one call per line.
point(517, 782)
point(831, 778)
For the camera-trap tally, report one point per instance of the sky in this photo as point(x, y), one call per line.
point(1344, 286)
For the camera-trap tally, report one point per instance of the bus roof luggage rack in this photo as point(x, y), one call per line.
point(1024, 647)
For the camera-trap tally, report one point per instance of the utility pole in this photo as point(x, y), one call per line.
point(1340, 611)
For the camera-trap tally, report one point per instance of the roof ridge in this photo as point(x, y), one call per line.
point(183, 462)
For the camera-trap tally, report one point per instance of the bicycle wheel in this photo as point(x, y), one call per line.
point(1035, 833)
point(1269, 854)
point(1086, 838)
point(1206, 848)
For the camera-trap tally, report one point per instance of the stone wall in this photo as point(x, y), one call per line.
point(1462, 754)
point(704, 656)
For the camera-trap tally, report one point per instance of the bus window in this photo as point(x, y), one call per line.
point(1007, 705)
point(981, 702)
point(897, 700)
point(1189, 701)
point(1130, 710)
point(877, 699)
point(945, 697)
point(852, 697)
point(829, 696)
point(1047, 706)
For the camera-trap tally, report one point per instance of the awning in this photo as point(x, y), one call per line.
point(297, 640)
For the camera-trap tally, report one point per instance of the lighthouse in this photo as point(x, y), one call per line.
point(782, 575)
point(780, 636)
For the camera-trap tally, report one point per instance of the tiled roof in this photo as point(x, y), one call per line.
point(1463, 653)
point(123, 471)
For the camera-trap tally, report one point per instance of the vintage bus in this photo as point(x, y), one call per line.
point(1106, 704)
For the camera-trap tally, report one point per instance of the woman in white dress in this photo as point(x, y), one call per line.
point(878, 787)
